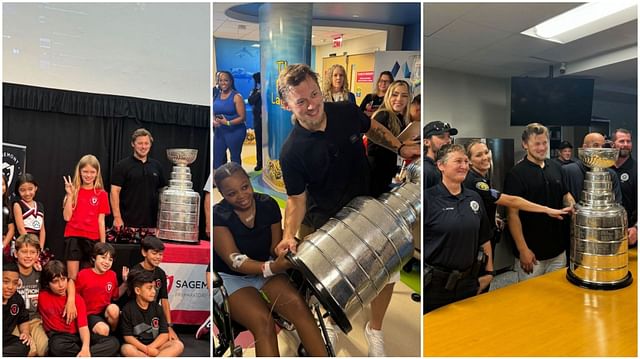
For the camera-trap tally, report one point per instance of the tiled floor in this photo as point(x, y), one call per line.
point(401, 325)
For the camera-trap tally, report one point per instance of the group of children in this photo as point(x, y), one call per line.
point(47, 313)
point(61, 310)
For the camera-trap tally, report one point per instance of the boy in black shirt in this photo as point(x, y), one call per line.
point(142, 322)
point(14, 314)
point(152, 250)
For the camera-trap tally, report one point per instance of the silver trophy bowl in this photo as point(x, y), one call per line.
point(182, 156)
point(598, 158)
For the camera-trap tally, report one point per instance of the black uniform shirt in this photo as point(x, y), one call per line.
point(563, 162)
point(13, 314)
point(455, 227)
point(140, 184)
point(254, 242)
point(160, 280)
point(432, 175)
point(628, 175)
point(544, 235)
point(330, 165)
point(143, 324)
point(481, 185)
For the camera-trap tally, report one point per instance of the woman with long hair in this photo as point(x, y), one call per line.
point(336, 87)
point(393, 115)
point(374, 100)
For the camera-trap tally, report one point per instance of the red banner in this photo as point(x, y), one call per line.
point(364, 76)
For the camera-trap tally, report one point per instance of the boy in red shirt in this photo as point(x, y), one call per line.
point(98, 286)
point(68, 339)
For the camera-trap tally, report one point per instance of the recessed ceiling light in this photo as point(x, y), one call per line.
point(355, 16)
point(585, 20)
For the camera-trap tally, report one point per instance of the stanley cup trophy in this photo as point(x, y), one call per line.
point(599, 257)
point(179, 210)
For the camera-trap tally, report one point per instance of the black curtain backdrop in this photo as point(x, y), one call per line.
point(58, 127)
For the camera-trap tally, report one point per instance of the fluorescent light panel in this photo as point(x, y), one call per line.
point(585, 20)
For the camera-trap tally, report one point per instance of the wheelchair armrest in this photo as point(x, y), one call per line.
point(216, 280)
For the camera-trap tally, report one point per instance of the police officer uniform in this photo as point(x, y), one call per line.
point(455, 228)
point(482, 186)
point(628, 176)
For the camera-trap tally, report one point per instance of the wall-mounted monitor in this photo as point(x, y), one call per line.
point(551, 101)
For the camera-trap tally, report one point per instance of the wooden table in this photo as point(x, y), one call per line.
point(544, 316)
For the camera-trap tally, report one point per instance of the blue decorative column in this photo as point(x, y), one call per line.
point(285, 38)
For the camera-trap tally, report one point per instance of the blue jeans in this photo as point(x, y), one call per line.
point(228, 137)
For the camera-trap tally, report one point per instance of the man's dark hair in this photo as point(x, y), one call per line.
point(294, 75)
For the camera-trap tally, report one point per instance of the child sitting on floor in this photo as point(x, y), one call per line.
point(73, 338)
point(143, 324)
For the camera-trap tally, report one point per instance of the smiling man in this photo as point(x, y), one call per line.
point(135, 185)
point(324, 166)
point(539, 239)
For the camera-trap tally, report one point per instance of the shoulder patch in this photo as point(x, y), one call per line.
point(482, 186)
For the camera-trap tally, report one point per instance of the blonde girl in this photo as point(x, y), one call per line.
point(85, 206)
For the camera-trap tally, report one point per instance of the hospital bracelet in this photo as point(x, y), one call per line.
point(266, 269)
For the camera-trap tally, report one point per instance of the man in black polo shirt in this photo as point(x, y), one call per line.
point(324, 166)
point(540, 240)
point(627, 170)
point(435, 135)
point(135, 185)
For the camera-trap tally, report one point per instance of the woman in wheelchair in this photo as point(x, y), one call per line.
point(246, 228)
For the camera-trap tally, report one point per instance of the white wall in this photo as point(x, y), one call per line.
point(361, 45)
point(150, 50)
point(477, 106)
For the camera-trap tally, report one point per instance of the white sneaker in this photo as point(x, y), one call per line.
point(375, 340)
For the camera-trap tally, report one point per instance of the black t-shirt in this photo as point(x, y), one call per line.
point(455, 227)
point(544, 235)
point(562, 162)
point(628, 175)
point(383, 162)
point(13, 314)
point(144, 325)
point(482, 186)
point(330, 165)
point(373, 99)
point(140, 185)
point(253, 242)
point(432, 175)
point(160, 278)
